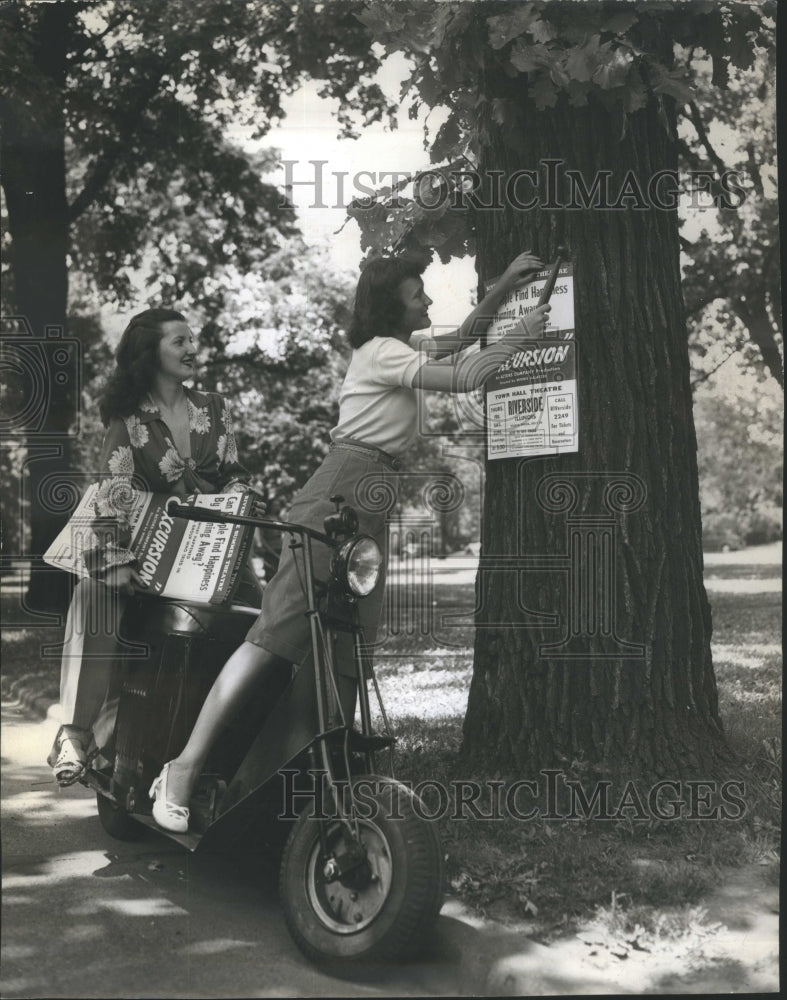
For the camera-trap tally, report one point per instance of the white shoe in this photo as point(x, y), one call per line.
point(68, 758)
point(166, 814)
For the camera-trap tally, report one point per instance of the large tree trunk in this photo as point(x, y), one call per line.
point(34, 182)
point(643, 696)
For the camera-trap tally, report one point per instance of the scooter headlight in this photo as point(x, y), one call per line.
point(357, 565)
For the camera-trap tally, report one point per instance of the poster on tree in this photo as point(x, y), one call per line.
point(531, 400)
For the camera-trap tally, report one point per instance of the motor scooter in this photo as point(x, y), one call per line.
point(361, 874)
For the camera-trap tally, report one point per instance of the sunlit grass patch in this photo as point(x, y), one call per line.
point(727, 656)
point(745, 571)
point(18, 636)
point(449, 661)
point(555, 875)
point(622, 929)
point(747, 676)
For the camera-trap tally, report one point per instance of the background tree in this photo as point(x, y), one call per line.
point(732, 271)
point(99, 97)
point(739, 412)
point(595, 87)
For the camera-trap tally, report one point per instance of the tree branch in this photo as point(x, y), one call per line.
point(105, 163)
point(695, 160)
point(754, 170)
point(762, 333)
point(706, 375)
point(696, 119)
point(90, 43)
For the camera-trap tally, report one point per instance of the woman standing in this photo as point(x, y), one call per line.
point(377, 423)
point(161, 437)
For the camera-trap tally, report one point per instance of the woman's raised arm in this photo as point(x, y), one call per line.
point(470, 371)
point(480, 318)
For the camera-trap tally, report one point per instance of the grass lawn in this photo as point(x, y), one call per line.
point(642, 877)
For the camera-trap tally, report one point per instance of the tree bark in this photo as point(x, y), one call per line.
point(530, 707)
point(34, 182)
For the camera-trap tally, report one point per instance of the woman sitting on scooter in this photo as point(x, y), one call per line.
point(161, 437)
point(377, 423)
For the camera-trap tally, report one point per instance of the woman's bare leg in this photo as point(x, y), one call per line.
point(89, 651)
point(242, 672)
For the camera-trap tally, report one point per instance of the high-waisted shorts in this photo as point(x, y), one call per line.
point(367, 478)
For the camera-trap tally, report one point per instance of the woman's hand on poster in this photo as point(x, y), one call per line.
point(123, 579)
point(259, 506)
point(530, 327)
point(520, 267)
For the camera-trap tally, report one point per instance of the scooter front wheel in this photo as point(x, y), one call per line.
point(381, 910)
point(116, 821)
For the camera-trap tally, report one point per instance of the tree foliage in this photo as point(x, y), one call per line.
point(113, 115)
point(148, 92)
point(471, 60)
point(732, 271)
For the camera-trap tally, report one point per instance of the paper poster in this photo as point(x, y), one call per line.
point(531, 401)
point(188, 560)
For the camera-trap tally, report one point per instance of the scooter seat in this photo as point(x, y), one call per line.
point(169, 616)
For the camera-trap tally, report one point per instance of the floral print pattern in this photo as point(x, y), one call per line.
point(232, 449)
point(199, 420)
point(121, 461)
point(137, 431)
point(172, 465)
point(227, 448)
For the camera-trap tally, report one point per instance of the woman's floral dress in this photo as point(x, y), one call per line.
point(138, 454)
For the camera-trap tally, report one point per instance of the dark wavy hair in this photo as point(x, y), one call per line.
point(136, 363)
point(377, 309)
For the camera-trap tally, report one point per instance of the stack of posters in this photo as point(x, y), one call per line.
point(178, 558)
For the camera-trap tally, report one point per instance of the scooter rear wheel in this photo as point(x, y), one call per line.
point(116, 821)
point(382, 917)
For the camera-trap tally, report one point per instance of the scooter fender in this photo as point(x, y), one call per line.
point(289, 729)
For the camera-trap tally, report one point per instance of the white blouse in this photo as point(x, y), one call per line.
point(377, 403)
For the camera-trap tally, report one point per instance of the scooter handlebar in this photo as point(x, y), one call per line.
point(175, 509)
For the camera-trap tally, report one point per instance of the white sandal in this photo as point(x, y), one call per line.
point(68, 757)
point(166, 814)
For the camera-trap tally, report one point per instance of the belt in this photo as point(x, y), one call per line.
point(370, 451)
